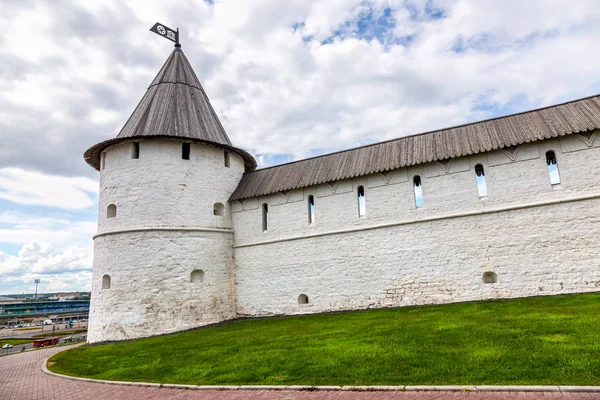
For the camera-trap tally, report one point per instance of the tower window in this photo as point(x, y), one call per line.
point(265, 217)
point(362, 207)
point(185, 151)
point(552, 168)
point(106, 282)
point(103, 160)
point(311, 209)
point(135, 151)
point(219, 209)
point(111, 211)
point(303, 299)
point(480, 178)
point(418, 191)
point(197, 276)
point(226, 159)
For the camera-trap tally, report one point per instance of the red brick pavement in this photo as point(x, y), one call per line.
point(21, 378)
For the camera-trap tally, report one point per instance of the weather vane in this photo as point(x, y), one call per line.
point(166, 32)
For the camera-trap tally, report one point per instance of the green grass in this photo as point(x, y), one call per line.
point(60, 333)
point(14, 342)
point(532, 341)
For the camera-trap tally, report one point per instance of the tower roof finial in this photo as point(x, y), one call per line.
point(167, 33)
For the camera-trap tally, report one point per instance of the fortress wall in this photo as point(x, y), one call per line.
point(391, 199)
point(535, 250)
point(151, 292)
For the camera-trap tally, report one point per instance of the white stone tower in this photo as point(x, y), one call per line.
point(163, 255)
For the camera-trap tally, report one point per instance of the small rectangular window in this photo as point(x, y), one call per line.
point(552, 168)
point(418, 191)
point(103, 161)
point(362, 207)
point(226, 155)
point(311, 209)
point(480, 178)
point(135, 151)
point(265, 217)
point(185, 151)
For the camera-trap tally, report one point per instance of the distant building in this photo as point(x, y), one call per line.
point(191, 233)
point(12, 313)
point(4, 299)
point(71, 294)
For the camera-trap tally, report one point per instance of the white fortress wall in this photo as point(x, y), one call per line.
point(538, 238)
point(164, 229)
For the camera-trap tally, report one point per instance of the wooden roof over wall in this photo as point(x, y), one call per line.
point(545, 123)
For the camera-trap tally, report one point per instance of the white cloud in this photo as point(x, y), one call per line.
point(35, 188)
point(286, 78)
point(101, 116)
point(274, 84)
point(56, 247)
point(69, 269)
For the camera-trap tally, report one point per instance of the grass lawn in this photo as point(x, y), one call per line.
point(14, 342)
point(60, 333)
point(534, 341)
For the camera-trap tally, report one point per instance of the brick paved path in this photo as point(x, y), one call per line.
point(22, 379)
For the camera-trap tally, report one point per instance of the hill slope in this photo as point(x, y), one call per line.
point(536, 341)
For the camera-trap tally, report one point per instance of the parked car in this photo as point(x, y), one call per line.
point(69, 339)
point(48, 322)
point(7, 346)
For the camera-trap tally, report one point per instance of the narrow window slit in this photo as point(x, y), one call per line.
point(480, 178)
point(185, 151)
point(311, 209)
point(362, 207)
point(265, 217)
point(226, 159)
point(135, 151)
point(418, 191)
point(552, 168)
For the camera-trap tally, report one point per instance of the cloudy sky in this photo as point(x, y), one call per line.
point(288, 78)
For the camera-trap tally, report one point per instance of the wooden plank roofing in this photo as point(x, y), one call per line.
point(573, 117)
point(174, 106)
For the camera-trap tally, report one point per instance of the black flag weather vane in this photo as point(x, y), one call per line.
point(166, 32)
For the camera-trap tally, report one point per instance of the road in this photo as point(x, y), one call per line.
point(21, 378)
point(21, 347)
point(46, 329)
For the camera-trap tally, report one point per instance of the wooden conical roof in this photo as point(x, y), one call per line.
point(174, 106)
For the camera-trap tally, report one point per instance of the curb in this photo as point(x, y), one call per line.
point(402, 388)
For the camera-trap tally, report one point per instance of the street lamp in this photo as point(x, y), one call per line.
point(37, 282)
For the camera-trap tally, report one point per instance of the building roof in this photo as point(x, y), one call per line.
point(174, 106)
point(4, 299)
point(545, 123)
